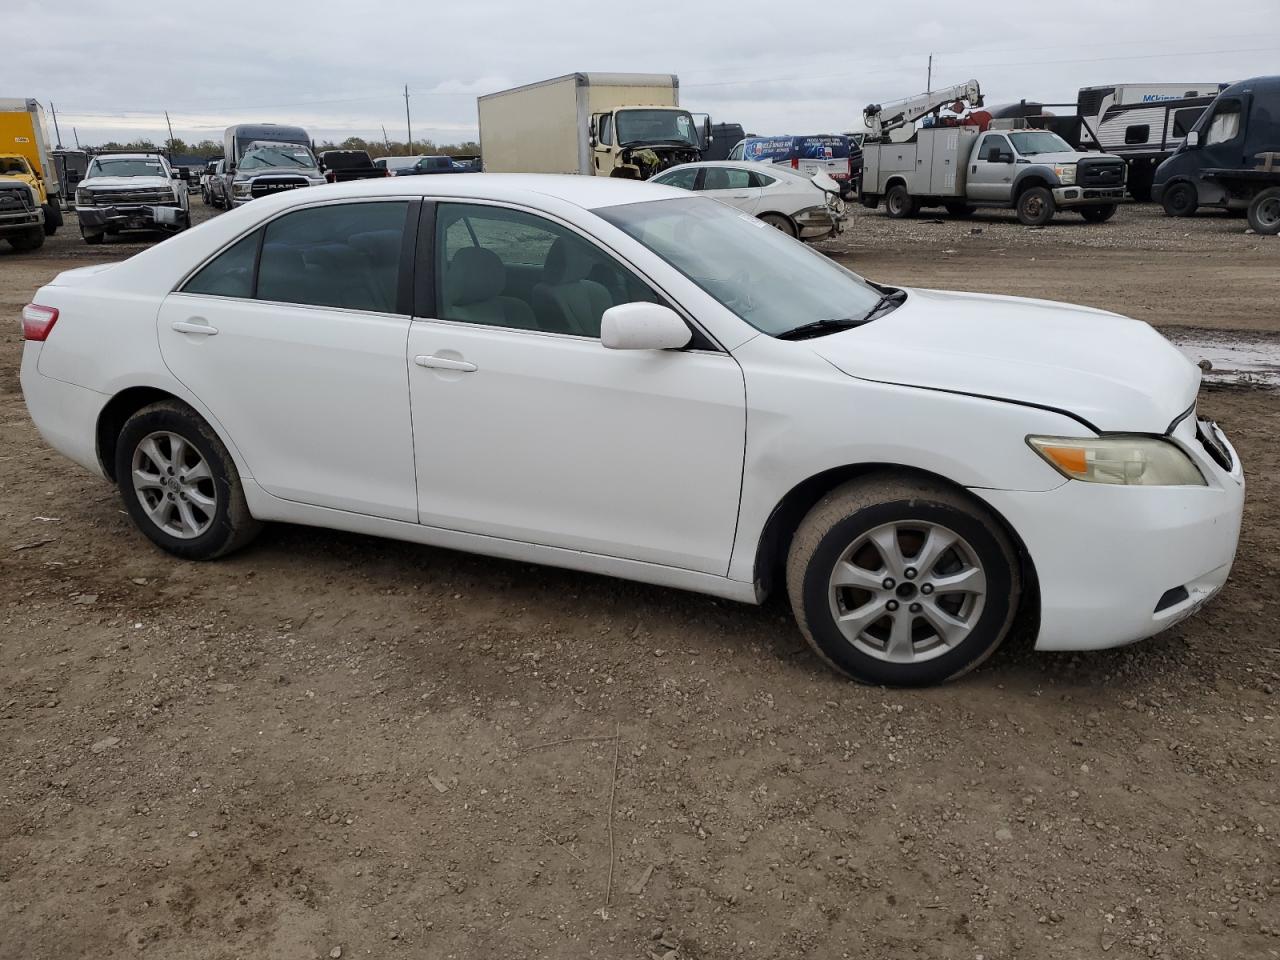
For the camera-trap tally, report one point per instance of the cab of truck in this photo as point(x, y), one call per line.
point(640, 142)
point(1238, 131)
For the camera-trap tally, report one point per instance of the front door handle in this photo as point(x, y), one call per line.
point(446, 363)
point(742, 196)
point(200, 329)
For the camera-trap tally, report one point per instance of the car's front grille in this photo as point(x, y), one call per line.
point(15, 200)
point(1100, 173)
point(264, 186)
point(1219, 452)
point(125, 198)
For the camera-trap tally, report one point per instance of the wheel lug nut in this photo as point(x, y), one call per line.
point(891, 606)
point(909, 573)
point(889, 583)
point(927, 589)
point(915, 608)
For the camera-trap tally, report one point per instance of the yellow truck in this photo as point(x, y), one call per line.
point(30, 206)
point(601, 124)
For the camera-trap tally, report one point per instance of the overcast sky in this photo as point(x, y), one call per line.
point(338, 67)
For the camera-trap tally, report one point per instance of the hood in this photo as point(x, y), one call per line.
point(1116, 373)
point(312, 172)
point(127, 183)
point(10, 179)
point(1069, 156)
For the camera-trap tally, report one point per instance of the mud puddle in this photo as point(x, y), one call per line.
point(1234, 360)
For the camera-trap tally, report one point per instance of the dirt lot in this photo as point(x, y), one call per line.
point(331, 745)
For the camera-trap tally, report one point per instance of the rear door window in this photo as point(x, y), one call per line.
point(342, 255)
point(230, 273)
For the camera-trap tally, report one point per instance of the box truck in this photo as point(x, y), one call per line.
point(602, 124)
point(25, 156)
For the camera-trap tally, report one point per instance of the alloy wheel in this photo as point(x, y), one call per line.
point(908, 591)
point(174, 485)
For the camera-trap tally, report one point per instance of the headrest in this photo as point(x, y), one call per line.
point(568, 261)
point(475, 275)
point(715, 179)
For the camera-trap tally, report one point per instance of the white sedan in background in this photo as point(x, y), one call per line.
point(631, 380)
point(800, 206)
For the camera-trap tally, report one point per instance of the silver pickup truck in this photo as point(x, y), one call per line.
point(1034, 172)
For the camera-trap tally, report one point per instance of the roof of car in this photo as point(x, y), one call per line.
point(129, 156)
point(590, 193)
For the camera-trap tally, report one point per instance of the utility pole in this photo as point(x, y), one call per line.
point(928, 84)
point(77, 136)
point(166, 120)
point(386, 140)
point(408, 124)
point(57, 132)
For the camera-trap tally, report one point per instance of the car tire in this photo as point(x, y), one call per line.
point(1035, 207)
point(902, 645)
point(1098, 214)
point(199, 514)
point(1180, 199)
point(779, 222)
point(52, 218)
point(92, 237)
point(33, 239)
point(899, 203)
point(1264, 212)
point(961, 211)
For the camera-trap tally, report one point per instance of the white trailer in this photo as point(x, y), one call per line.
point(603, 124)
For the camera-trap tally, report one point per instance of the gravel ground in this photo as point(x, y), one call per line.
point(336, 746)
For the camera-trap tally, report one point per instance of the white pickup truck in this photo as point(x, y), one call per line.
point(959, 168)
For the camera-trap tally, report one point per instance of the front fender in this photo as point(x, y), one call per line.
point(1036, 171)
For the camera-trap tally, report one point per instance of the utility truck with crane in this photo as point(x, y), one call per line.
point(961, 163)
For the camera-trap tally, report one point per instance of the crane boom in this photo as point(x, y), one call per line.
point(880, 119)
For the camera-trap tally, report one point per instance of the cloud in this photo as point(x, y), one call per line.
point(771, 67)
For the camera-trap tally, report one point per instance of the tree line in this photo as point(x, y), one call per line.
point(375, 148)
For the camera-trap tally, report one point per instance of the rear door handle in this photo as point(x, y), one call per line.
point(201, 329)
point(445, 363)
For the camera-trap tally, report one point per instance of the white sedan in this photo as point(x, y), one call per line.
point(800, 206)
point(626, 379)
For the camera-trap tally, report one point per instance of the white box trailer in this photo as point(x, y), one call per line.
point(606, 124)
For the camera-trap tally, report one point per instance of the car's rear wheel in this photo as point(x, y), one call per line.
point(1264, 212)
point(52, 218)
point(899, 203)
point(1180, 199)
point(779, 222)
point(180, 485)
point(1035, 207)
point(902, 581)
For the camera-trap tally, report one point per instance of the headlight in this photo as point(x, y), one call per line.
point(242, 188)
point(1129, 460)
point(84, 197)
point(1066, 173)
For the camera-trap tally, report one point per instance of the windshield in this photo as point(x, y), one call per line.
point(277, 155)
point(1039, 141)
point(11, 165)
point(656, 126)
point(102, 167)
point(764, 277)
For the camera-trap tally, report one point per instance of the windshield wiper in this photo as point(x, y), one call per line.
point(890, 300)
point(817, 328)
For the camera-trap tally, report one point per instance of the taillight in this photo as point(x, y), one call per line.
point(795, 163)
point(37, 321)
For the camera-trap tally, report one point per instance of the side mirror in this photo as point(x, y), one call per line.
point(643, 326)
point(175, 175)
point(1193, 139)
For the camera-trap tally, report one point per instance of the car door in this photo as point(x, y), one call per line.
point(527, 428)
point(732, 186)
point(991, 169)
point(1222, 142)
point(293, 338)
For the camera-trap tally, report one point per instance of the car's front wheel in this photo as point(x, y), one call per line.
point(180, 485)
point(1035, 207)
point(901, 581)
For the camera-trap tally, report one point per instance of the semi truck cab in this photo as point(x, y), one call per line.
point(639, 142)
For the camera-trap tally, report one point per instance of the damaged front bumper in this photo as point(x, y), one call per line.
point(817, 223)
point(130, 217)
